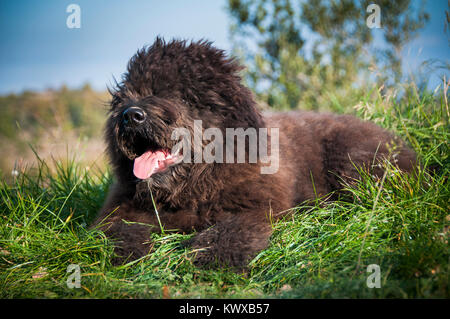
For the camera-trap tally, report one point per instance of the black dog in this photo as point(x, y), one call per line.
point(169, 86)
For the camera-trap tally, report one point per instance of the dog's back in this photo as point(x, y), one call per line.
point(320, 150)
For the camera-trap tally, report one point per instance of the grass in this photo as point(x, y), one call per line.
point(400, 223)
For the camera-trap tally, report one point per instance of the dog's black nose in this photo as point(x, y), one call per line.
point(133, 116)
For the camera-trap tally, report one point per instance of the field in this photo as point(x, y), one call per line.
point(400, 223)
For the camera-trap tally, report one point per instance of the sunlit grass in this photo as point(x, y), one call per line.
point(400, 223)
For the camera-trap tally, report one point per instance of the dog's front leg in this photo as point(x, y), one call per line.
point(231, 242)
point(130, 230)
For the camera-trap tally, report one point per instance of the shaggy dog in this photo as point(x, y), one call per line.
point(230, 206)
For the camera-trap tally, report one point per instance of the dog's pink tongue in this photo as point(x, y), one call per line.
point(146, 164)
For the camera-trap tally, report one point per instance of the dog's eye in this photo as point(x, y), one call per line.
point(170, 116)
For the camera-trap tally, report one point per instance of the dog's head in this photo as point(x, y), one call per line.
point(167, 86)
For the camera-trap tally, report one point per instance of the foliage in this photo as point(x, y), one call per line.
point(41, 119)
point(320, 54)
point(400, 223)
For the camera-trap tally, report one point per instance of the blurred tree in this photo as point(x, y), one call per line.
point(42, 119)
point(306, 54)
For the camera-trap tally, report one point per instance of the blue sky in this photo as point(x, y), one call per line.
point(38, 51)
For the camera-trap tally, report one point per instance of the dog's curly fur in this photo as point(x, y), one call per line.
point(229, 205)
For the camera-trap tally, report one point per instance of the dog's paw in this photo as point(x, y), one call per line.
point(209, 251)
